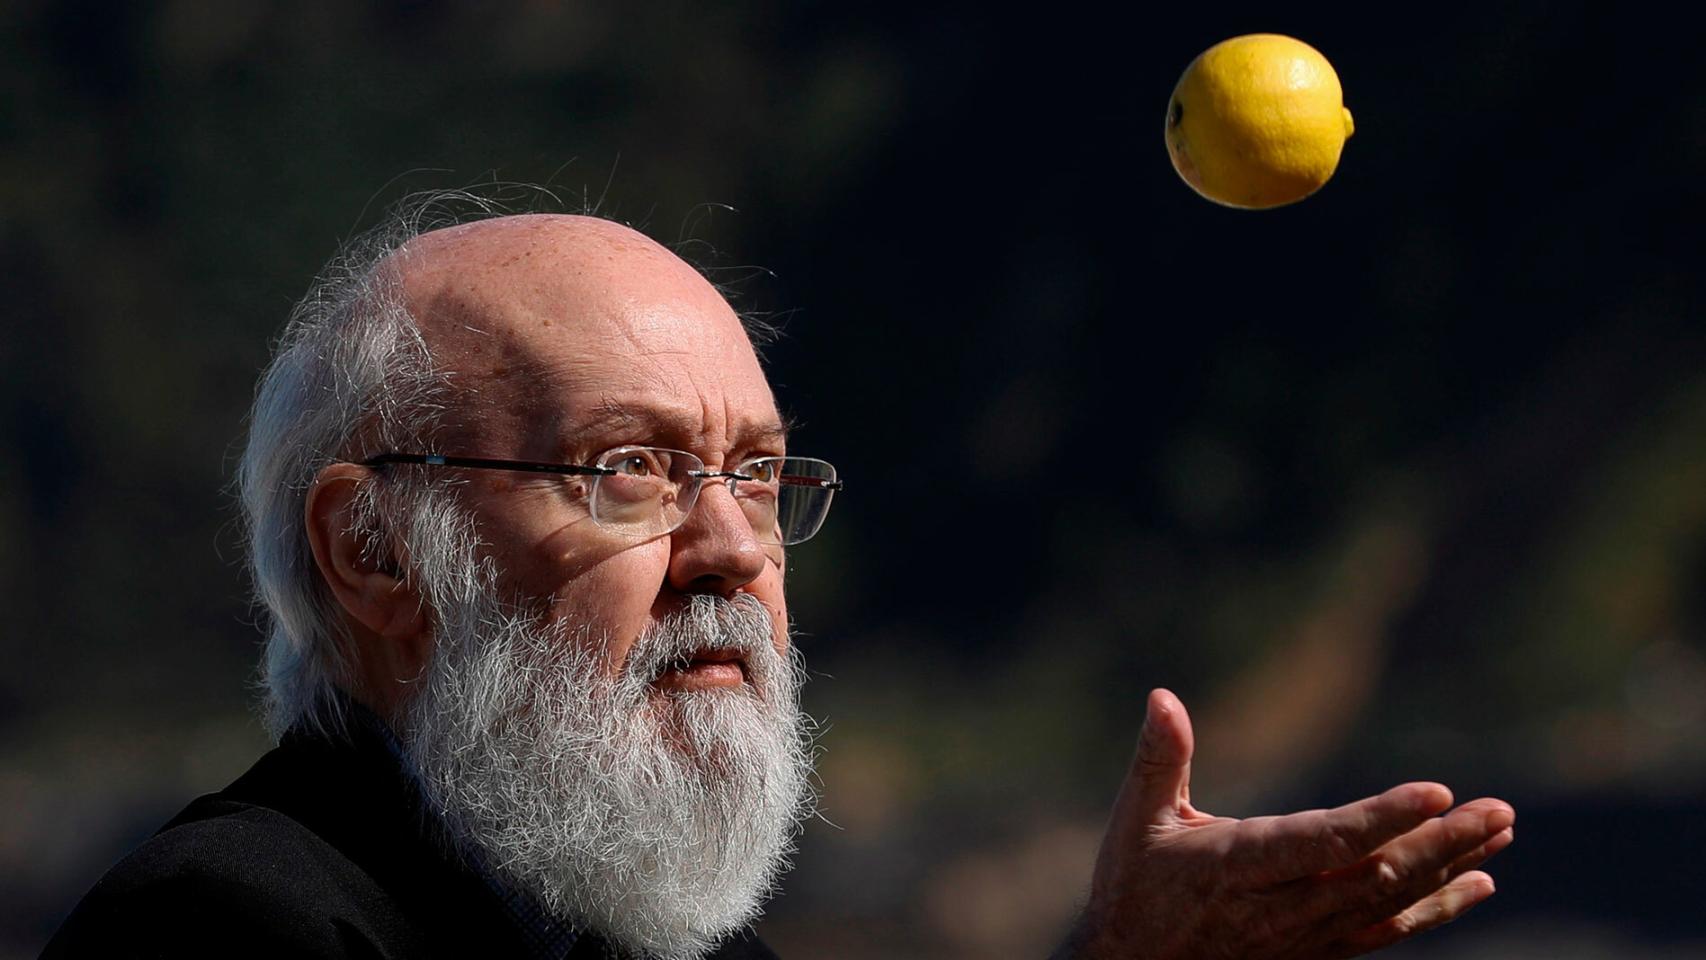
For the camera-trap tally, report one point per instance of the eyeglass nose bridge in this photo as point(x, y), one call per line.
point(731, 476)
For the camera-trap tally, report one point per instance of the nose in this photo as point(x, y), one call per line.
point(715, 551)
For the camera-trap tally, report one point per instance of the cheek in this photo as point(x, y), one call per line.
point(768, 588)
point(614, 597)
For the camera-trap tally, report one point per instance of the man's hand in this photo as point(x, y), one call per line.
point(1174, 883)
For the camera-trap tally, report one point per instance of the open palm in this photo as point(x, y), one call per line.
point(1174, 883)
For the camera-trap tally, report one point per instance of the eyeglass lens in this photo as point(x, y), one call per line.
point(653, 490)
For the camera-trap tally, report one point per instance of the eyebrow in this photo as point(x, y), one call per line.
point(610, 416)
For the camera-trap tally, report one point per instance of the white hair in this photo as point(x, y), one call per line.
point(351, 376)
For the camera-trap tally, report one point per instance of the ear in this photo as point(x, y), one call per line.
point(365, 578)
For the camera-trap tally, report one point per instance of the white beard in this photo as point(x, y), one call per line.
point(657, 821)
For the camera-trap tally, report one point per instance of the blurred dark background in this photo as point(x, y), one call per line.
point(1405, 481)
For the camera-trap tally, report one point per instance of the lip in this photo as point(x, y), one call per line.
point(704, 670)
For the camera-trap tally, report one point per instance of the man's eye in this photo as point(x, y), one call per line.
point(635, 466)
point(764, 471)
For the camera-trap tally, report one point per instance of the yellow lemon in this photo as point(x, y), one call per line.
point(1257, 121)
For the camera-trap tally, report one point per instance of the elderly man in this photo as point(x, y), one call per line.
point(519, 500)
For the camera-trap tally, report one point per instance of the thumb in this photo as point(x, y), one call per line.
point(1160, 778)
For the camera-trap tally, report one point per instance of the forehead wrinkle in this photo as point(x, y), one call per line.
point(610, 414)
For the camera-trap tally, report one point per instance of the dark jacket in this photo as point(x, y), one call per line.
point(320, 850)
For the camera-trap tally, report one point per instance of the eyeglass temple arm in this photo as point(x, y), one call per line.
point(566, 469)
point(786, 479)
point(481, 463)
point(795, 480)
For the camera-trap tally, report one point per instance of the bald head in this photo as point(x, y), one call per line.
point(514, 307)
point(526, 271)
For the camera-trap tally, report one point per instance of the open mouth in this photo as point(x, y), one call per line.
point(704, 670)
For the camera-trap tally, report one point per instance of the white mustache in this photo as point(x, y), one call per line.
point(706, 623)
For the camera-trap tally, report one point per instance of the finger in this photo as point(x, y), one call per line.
point(1401, 873)
point(1279, 849)
point(1159, 784)
point(1483, 853)
point(1445, 905)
